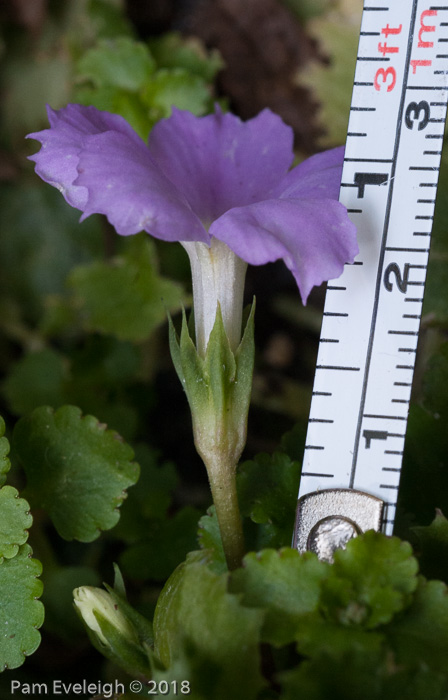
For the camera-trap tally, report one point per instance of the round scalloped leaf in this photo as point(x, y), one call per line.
point(197, 621)
point(370, 581)
point(5, 464)
point(15, 519)
point(76, 470)
point(283, 583)
point(21, 614)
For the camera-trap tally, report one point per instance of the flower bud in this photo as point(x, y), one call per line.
point(96, 606)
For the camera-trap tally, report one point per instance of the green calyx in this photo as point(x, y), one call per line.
point(218, 387)
point(118, 631)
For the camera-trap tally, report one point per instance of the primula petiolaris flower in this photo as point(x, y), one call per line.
point(206, 181)
point(224, 189)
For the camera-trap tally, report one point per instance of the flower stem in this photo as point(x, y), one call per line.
point(223, 486)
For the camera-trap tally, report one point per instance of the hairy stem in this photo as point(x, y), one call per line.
point(223, 486)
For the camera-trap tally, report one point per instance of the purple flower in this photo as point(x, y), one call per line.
point(206, 181)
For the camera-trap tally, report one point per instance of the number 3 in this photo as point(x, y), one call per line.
point(384, 74)
point(413, 112)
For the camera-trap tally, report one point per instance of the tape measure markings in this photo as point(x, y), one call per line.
point(372, 313)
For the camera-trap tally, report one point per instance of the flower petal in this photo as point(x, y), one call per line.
point(314, 237)
point(318, 176)
point(57, 161)
point(101, 165)
point(218, 161)
point(124, 184)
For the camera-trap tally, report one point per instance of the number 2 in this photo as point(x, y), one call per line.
point(402, 280)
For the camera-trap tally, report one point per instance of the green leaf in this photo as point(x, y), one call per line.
point(126, 297)
point(176, 87)
point(76, 469)
point(435, 306)
point(103, 369)
point(15, 519)
point(332, 84)
point(435, 382)
point(121, 62)
point(285, 584)
point(305, 9)
point(420, 638)
point(356, 675)
point(34, 380)
point(60, 617)
point(119, 76)
point(21, 614)
point(105, 18)
point(370, 581)
point(206, 631)
point(425, 453)
point(163, 545)
point(5, 464)
point(151, 500)
point(33, 84)
point(433, 546)
point(209, 538)
point(172, 50)
point(293, 442)
point(267, 488)
point(317, 636)
point(118, 101)
point(48, 240)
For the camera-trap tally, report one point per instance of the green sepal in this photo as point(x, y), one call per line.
point(119, 586)
point(219, 367)
point(126, 644)
point(193, 369)
point(175, 349)
point(218, 387)
point(244, 357)
point(131, 657)
point(142, 626)
point(187, 363)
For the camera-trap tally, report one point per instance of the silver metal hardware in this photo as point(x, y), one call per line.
point(326, 520)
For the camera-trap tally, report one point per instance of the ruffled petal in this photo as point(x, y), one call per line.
point(218, 161)
point(124, 184)
point(102, 166)
point(57, 161)
point(318, 176)
point(314, 237)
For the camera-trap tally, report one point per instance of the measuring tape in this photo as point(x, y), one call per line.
point(371, 319)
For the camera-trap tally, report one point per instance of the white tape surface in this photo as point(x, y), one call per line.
point(372, 313)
